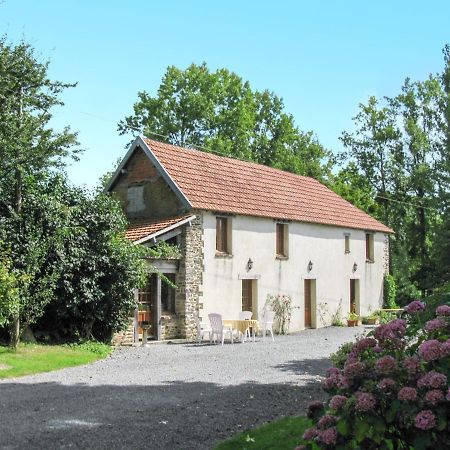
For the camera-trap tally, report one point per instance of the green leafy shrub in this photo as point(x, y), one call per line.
point(164, 250)
point(390, 292)
point(9, 291)
point(339, 358)
point(336, 317)
point(390, 390)
point(281, 305)
point(98, 348)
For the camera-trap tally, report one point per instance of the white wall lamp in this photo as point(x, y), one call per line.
point(355, 267)
point(310, 266)
point(249, 264)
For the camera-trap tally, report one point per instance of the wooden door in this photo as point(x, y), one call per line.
point(353, 296)
point(247, 295)
point(308, 321)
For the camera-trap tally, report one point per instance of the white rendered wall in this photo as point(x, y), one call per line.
point(324, 246)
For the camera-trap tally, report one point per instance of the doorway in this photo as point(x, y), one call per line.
point(310, 303)
point(249, 296)
point(354, 296)
point(154, 299)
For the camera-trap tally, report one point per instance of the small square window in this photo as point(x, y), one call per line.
point(282, 239)
point(135, 199)
point(347, 242)
point(369, 248)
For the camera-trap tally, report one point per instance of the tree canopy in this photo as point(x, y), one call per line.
point(400, 148)
point(221, 113)
point(62, 249)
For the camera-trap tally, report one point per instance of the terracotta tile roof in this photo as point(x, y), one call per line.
point(142, 228)
point(216, 183)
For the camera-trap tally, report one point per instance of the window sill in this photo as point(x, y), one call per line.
point(347, 252)
point(223, 255)
point(370, 261)
point(281, 257)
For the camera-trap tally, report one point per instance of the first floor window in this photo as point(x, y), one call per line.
point(347, 242)
point(222, 241)
point(282, 240)
point(369, 248)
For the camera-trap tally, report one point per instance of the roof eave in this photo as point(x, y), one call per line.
point(164, 230)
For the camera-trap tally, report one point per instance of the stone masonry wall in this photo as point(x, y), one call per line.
point(157, 198)
point(188, 281)
point(386, 255)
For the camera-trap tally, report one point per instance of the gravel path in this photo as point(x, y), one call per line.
point(167, 396)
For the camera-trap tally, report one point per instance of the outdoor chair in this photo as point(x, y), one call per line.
point(246, 315)
point(218, 329)
point(266, 323)
point(202, 330)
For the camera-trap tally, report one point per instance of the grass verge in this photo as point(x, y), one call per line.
point(34, 358)
point(284, 434)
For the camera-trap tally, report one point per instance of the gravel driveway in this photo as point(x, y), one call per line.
point(167, 396)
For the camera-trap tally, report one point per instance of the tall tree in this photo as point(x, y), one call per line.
point(218, 111)
point(400, 146)
point(28, 145)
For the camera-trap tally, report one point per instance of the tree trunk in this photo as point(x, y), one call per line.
point(15, 326)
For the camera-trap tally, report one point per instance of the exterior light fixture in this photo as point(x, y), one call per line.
point(355, 267)
point(310, 266)
point(249, 264)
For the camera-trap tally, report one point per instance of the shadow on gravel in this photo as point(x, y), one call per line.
point(173, 416)
point(306, 366)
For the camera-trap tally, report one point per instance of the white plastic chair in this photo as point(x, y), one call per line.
point(246, 315)
point(202, 330)
point(218, 329)
point(266, 323)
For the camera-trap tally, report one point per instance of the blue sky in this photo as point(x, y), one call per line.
point(322, 57)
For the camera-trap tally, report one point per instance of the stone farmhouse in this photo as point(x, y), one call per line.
point(245, 231)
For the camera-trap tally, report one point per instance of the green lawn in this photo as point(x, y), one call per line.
point(284, 434)
point(34, 358)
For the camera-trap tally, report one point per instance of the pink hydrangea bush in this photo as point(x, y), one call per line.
point(390, 389)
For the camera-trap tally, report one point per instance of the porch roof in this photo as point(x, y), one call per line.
point(143, 230)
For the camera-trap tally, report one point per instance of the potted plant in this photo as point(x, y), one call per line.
point(370, 320)
point(352, 319)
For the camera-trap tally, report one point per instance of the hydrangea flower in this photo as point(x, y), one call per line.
point(334, 380)
point(434, 325)
point(425, 420)
point(432, 380)
point(337, 402)
point(434, 396)
point(310, 433)
point(364, 344)
point(386, 364)
point(355, 369)
point(387, 384)
point(415, 307)
point(390, 335)
point(445, 348)
point(329, 436)
point(332, 371)
point(407, 394)
point(315, 409)
point(412, 365)
point(430, 350)
point(366, 402)
point(443, 310)
point(326, 421)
